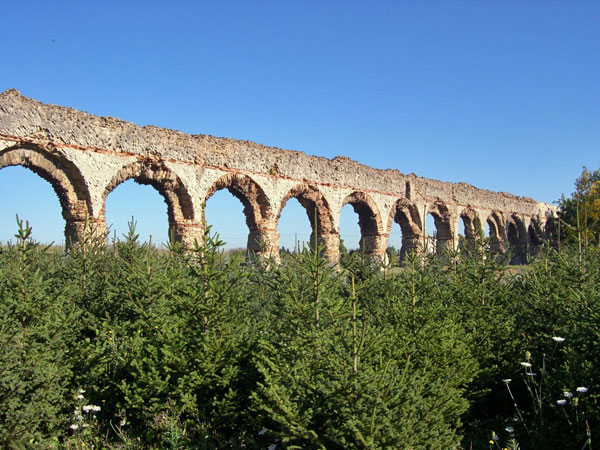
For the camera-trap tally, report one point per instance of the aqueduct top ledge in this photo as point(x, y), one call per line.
point(23, 119)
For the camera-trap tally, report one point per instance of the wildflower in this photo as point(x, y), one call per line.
point(79, 397)
point(122, 422)
point(581, 389)
point(561, 402)
point(74, 426)
point(510, 429)
point(531, 374)
point(272, 447)
point(507, 380)
point(88, 408)
point(558, 339)
point(526, 364)
point(85, 425)
point(263, 431)
point(81, 391)
point(568, 394)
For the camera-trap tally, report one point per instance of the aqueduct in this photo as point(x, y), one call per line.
point(84, 157)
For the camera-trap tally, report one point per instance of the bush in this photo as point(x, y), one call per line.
point(201, 349)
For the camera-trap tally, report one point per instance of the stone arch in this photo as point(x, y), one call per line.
point(472, 223)
point(406, 215)
point(443, 224)
point(535, 236)
point(369, 221)
point(497, 233)
point(473, 229)
point(64, 177)
point(317, 207)
point(257, 206)
point(517, 238)
point(180, 209)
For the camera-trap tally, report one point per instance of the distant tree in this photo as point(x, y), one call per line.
point(580, 212)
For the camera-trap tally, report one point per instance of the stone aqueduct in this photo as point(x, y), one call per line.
point(85, 157)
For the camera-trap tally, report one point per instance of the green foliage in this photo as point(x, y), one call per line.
point(37, 323)
point(201, 349)
point(580, 212)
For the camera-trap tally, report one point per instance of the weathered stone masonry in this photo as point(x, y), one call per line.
point(85, 157)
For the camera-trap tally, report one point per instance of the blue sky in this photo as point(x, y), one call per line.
point(502, 95)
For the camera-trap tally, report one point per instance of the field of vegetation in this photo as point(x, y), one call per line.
point(125, 346)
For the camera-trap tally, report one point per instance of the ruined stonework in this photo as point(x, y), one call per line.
point(85, 157)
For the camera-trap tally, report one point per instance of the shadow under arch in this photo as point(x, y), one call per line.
point(407, 216)
point(536, 236)
point(257, 206)
point(497, 233)
point(317, 209)
point(369, 219)
point(64, 177)
point(516, 236)
point(165, 181)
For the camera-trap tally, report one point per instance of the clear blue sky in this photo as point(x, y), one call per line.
point(502, 95)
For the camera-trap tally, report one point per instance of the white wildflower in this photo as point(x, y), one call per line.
point(526, 364)
point(507, 380)
point(510, 429)
point(558, 339)
point(581, 389)
point(122, 422)
point(531, 374)
point(85, 425)
point(81, 391)
point(88, 408)
point(79, 397)
point(272, 447)
point(567, 394)
point(263, 431)
point(74, 426)
point(561, 402)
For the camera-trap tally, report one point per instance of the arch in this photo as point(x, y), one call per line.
point(442, 219)
point(317, 207)
point(257, 206)
point(64, 177)
point(406, 215)
point(165, 181)
point(474, 231)
point(62, 174)
point(497, 233)
point(369, 220)
point(535, 236)
point(517, 238)
point(472, 223)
